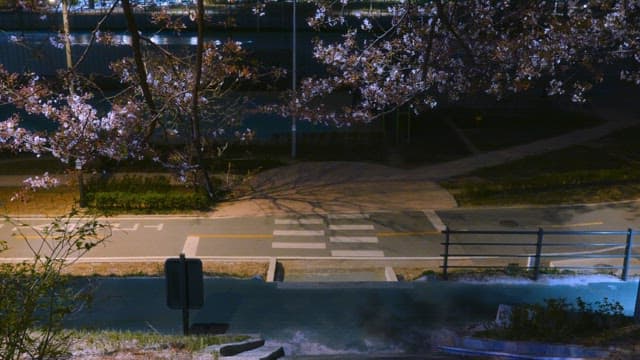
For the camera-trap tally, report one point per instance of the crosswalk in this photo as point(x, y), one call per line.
point(342, 235)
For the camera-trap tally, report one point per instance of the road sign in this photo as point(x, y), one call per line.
point(185, 288)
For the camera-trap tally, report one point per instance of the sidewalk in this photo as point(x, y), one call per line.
point(325, 187)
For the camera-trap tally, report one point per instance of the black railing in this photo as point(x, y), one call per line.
point(489, 250)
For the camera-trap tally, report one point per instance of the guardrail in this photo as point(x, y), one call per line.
point(602, 250)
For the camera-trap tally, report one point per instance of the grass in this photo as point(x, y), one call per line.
point(49, 202)
point(598, 171)
point(234, 269)
point(144, 345)
point(493, 129)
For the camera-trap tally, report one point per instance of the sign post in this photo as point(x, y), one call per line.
point(185, 288)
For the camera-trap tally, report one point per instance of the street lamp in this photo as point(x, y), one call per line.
point(293, 87)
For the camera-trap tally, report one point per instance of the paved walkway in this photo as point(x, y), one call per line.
point(325, 187)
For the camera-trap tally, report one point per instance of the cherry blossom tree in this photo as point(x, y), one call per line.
point(81, 134)
point(167, 94)
point(441, 51)
point(183, 92)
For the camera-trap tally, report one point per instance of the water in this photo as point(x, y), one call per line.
point(386, 319)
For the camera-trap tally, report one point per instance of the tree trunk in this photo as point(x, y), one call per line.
point(196, 141)
point(140, 68)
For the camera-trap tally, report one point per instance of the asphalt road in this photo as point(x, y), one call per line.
point(361, 236)
point(311, 319)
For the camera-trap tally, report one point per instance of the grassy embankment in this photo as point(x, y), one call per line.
point(598, 171)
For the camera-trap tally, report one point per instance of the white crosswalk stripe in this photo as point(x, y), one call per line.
point(354, 233)
point(298, 245)
point(298, 232)
point(353, 239)
point(315, 221)
point(357, 253)
point(351, 227)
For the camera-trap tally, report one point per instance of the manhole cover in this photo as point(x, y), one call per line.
point(509, 223)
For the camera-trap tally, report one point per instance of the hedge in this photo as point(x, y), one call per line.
point(147, 201)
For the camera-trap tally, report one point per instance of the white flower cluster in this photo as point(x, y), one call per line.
point(442, 50)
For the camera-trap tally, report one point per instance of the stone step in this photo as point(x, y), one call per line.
point(266, 352)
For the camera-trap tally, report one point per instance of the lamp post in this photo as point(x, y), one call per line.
point(293, 86)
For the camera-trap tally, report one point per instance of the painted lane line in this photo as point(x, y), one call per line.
point(348, 216)
point(1, 226)
point(353, 239)
point(351, 227)
point(158, 227)
point(234, 236)
point(435, 220)
point(298, 232)
point(116, 227)
point(357, 253)
point(298, 245)
point(576, 225)
point(190, 246)
point(314, 221)
point(407, 233)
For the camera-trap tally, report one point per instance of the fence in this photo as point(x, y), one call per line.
point(502, 249)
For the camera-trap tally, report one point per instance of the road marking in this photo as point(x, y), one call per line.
point(357, 253)
point(234, 236)
point(298, 245)
point(348, 216)
point(41, 227)
point(314, 221)
point(116, 227)
point(158, 227)
point(298, 232)
point(190, 246)
point(351, 227)
point(576, 225)
point(406, 233)
point(1, 226)
point(353, 239)
point(435, 220)
point(389, 274)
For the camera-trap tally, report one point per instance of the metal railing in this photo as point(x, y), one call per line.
point(601, 250)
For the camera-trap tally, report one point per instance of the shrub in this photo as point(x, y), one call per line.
point(36, 296)
point(559, 321)
point(148, 201)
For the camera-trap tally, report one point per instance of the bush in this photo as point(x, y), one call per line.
point(129, 183)
point(148, 201)
point(559, 321)
point(143, 194)
point(37, 296)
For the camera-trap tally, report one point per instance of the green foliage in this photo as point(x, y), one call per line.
point(131, 183)
point(602, 170)
point(560, 321)
point(143, 194)
point(148, 201)
point(35, 294)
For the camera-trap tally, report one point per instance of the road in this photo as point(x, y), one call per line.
point(388, 235)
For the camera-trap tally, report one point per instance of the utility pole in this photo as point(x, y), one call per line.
point(66, 29)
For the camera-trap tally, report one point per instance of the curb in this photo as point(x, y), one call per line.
point(523, 350)
point(231, 349)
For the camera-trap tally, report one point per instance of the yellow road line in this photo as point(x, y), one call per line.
point(234, 236)
point(577, 225)
point(406, 233)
